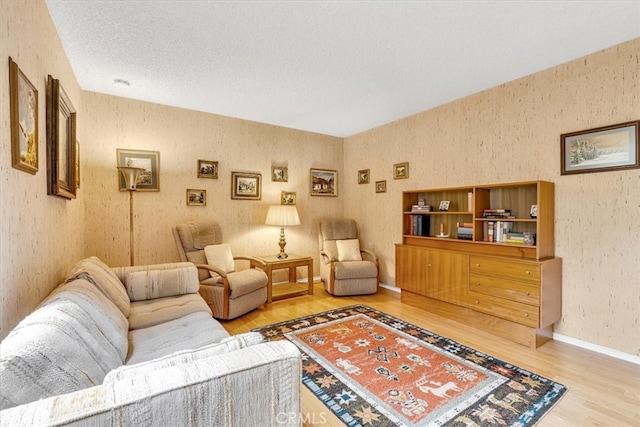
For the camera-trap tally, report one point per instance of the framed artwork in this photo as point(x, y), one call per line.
point(196, 197)
point(77, 164)
point(279, 174)
point(324, 182)
point(444, 205)
point(61, 142)
point(207, 169)
point(363, 176)
point(601, 149)
point(401, 170)
point(287, 198)
point(23, 105)
point(381, 186)
point(246, 186)
point(149, 180)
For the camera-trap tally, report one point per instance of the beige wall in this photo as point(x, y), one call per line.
point(41, 235)
point(182, 137)
point(512, 133)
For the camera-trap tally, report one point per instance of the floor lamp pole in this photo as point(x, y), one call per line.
point(130, 175)
point(130, 227)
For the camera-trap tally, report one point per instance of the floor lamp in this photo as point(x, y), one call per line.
point(282, 215)
point(130, 175)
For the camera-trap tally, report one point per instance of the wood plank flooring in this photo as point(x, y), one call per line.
point(603, 391)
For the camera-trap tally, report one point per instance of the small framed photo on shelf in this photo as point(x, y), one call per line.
point(279, 174)
point(363, 176)
point(287, 198)
point(444, 205)
point(401, 170)
point(381, 186)
point(607, 148)
point(207, 169)
point(533, 213)
point(196, 197)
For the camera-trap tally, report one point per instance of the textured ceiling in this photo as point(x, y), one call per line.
point(332, 67)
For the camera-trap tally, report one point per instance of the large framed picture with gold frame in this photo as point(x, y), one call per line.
point(23, 105)
point(149, 180)
point(61, 142)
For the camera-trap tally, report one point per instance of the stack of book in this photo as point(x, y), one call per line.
point(497, 213)
point(515, 238)
point(419, 225)
point(465, 230)
point(496, 231)
point(419, 208)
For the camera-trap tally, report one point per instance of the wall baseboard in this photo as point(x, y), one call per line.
point(597, 348)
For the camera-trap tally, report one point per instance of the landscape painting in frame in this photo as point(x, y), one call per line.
point(324, 182)
point(602, 149)
point(23, 104)
point(246, 186)
point(149, 180)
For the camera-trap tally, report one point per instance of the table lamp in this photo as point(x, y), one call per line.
point(282, 216)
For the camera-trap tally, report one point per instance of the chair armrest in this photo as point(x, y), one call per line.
point(211, 268)
point(193, 393)
point(325, 257)
point(371, 254)
point(254, 261)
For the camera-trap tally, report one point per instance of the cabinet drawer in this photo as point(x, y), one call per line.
point(518, 270)
point(525, 314)
point(523, 292)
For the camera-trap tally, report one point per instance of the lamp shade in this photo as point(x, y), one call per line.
point(130, 175)
point(282, 215)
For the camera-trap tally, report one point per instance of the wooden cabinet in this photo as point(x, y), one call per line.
point(509, 289)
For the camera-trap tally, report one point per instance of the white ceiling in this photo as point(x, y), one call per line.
point(332, 67)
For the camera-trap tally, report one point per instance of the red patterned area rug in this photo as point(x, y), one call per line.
point(370, 368)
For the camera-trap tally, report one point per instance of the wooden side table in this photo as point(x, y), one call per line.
point(293, 288)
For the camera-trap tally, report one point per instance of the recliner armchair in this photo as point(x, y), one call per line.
point(228, 292)
point(345, 268)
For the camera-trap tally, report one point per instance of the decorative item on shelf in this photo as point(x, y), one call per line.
point(444, 205)
point(442, 233)
point(534, 211)
point(363, 176)
point(207, 169)
point(130, 175)
point(529, 239)
point(470, 201)
point(196, 197)
point(282, 216)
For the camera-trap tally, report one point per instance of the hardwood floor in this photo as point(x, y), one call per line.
point(602, 391)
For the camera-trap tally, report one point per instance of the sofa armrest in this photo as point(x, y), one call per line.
point(148, 282)
point(211, 391)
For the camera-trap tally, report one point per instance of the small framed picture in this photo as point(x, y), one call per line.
point(444, 205)
point(279, 174)
point(246, 186)
point(207, 169)
point(323, 182)
point(381, 186)
point(534, 211)
point(363, 176)
point(23, 106)
point(287, 198)
point(196, 197)
point(401, 170)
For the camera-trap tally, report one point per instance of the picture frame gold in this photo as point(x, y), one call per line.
point(323, 182)
point(207, 169)
point(149, 180)
point(287, 198)
point(23, 106)
point(196, 197)
point(607, 148)
point(401, 170)
point(279, 174)
point(381, 186)
point(363, 176)
point(61, 141)
point(246, 186)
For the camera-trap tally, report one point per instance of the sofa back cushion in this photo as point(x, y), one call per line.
point(99, 273)
point(159, 283)
point(70, 342)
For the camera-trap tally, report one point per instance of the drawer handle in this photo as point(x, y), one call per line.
point(528, 293)
point(429, 265)
point(527, 272)
point(477, 283)
point(526, 315)
point(478, 265)
point(477, 302)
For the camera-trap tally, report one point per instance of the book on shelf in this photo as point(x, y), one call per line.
point(419, 225)
point(418, 208)
point(497, 213)
point(465, 224)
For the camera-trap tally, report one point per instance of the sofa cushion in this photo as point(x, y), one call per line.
point(148, 313)
point(189, 332)
point(220, 257)
point(69, 343)
point(98, 273)
point(246, 281)
point(348, 250)
point(159, 283)
point(232, 343)
point(355, 270)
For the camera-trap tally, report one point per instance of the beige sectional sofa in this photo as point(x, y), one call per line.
point(138, 346)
